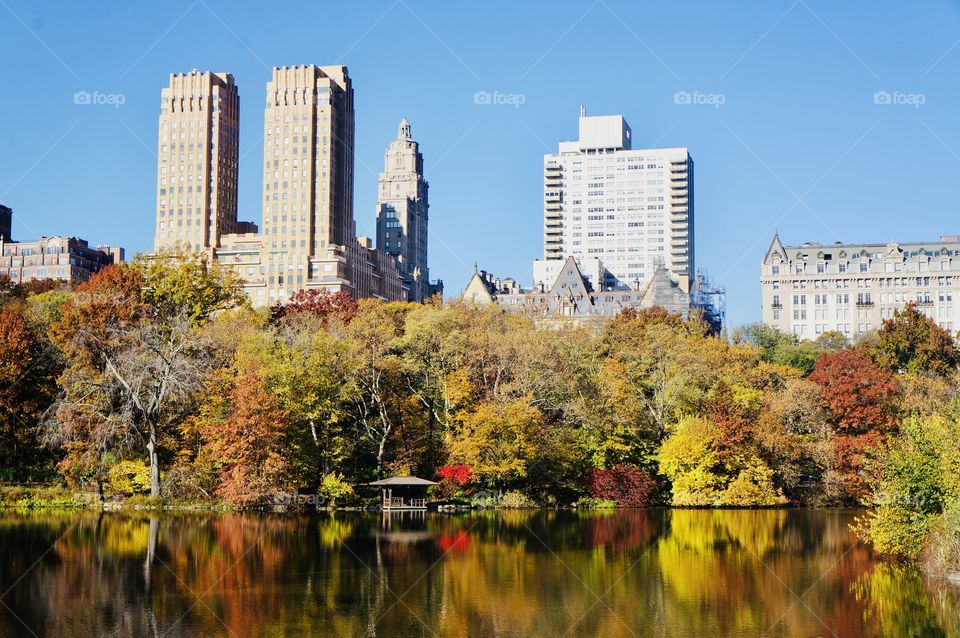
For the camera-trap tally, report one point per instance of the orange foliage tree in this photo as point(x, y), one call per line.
point(250, 443)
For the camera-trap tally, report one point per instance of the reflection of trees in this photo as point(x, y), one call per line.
point(747, 568)
point(623, 573)
point(901, 603)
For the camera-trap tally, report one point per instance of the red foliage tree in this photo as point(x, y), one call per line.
point(626, 485)
point(317, 302)
point(460, 474)
point(861, 403)
point(859, 396)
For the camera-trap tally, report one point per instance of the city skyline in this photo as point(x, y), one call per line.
point(801, 146)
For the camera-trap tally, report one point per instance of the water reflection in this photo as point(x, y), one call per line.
point(523, 573)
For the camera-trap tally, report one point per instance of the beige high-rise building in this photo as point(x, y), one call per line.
point(307, 177)
point(197, 162)
point(402, 211)
point(308, 236)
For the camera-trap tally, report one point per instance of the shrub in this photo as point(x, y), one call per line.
point(625, 485)
point(460, 474)
point(515, 501)
point(446, 489)
point(334, 488)
point(129, 478)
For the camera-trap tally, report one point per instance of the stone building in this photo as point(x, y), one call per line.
point(66, 258)
point(307, 238)
point(571, 295)
point(851, 288)
point(197, 160)
point(402, 211)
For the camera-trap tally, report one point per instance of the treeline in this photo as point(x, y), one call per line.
point(156, 377)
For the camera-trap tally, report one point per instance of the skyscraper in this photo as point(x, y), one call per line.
point(307, 239)
point(6, 223)
point(307, 176)
point(198, 147)
point(402, 211)
point(620, 212)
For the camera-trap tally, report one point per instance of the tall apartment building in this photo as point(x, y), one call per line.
point(631, 209)
point(6, 223)
point(851, 288)
point(198, 144)
point(307, 238)
point(402, 211)
point(307, 178)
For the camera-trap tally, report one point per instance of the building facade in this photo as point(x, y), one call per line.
point(852, 288)
point(66, 258)
point(571, 295)
point(6, 223)
point(630, 209)
point(307, 178)
point(197, 160)
point(307, 238)
point(402, 211)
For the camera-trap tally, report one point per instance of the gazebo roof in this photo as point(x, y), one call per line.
point(397, 481)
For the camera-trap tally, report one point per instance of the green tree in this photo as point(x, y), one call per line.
point(913, 342)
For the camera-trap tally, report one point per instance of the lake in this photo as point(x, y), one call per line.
point(516, 573)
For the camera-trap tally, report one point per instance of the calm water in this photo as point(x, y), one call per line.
point(635, 573)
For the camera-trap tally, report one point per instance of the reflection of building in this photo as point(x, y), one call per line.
point(572, 295)
point(307, 238)
point(67, 258)
point(851, 288)
point(198, 148)
point(630, 209)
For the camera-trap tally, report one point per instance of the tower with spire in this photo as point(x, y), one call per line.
point(402, 211)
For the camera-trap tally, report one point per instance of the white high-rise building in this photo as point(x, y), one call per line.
point(630, 209)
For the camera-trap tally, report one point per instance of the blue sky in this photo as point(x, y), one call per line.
point(799, 143)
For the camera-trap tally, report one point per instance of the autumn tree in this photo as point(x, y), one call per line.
point(860, 400)
point(28, 370)
point(136, 354)
point(318, 303)
point(250, 444)
point(498, 441)
point(859, 395)
point(310, 373)
point(913, 342)
point(377, 387)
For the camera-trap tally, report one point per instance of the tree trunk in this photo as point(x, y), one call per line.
point(154, 462)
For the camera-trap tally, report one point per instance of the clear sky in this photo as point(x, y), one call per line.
point(826, 121)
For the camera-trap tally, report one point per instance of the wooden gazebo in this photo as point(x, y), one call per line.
point(404, 492)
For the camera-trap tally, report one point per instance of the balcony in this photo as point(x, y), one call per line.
point(865, 303)
point(776, 305)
